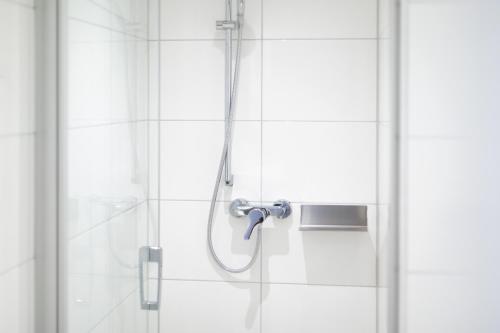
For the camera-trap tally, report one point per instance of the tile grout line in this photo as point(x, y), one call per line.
point(106, 124)
point(16, 135)
point(270, 201)
point(19, 4)
point(271, 283)
point(16, 266)
point(181, 40)
point(300, 121)
point(110, 29)
point(108, 219)
point(113, 309)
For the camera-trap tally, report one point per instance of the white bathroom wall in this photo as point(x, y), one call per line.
point(104, 163)
point(449, 167)
point(306, 130)
point(17, 155)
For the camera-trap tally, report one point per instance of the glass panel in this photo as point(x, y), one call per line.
point(104, 164)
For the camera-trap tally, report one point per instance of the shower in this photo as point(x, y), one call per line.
point(239, 207)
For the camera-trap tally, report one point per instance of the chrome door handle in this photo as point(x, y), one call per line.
point(150, 254)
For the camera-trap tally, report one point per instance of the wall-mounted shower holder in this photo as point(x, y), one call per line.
point(280, 209)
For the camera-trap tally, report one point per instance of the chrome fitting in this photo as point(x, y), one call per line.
point(226, 25)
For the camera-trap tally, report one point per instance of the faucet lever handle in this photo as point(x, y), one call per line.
point(256, 216)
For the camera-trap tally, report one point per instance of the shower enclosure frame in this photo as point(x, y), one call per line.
point(47, 98)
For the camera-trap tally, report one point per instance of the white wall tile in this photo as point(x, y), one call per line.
point(184, 239)
point(17, 196)
point(94, 12)
point(441, 163)
point(127, 16)
point(433, 49)
point(318, 257)
point(435, 303)
point(154, 159)
point(88, 75)
point(319, 162)
point(107, 76)
point(103, 271)
point(129, 78)
point(192, 81)
point(104, 166)
point(127, 317)
point(130, 17)
point(320, 19)
point(190, 154)
point(210, 307)
point(154, 79)
point(18, 298)
point(320, 80)
point(17, 114)
point(195, 19)
point(319, 309)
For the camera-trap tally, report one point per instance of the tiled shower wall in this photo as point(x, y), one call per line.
point(17, 137)
point(305, 130)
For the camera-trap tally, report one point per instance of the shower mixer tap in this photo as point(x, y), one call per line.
point(280, 209)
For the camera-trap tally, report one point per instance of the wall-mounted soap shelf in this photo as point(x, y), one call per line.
point(333, 217)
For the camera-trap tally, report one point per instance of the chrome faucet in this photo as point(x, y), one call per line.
point(281, 209)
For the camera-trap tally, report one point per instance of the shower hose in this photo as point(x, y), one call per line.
point(227, 141)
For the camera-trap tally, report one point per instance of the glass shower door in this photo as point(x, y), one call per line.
point(104, 219)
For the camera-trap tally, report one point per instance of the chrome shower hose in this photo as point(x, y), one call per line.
point(227, 141)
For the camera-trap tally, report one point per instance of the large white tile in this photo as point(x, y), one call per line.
point(18, 298)
point(103, 267)
point(212, 307)
point(154, 79)
point(184, 239)
point(130, 17)
point(17, 70)
point(319, 162)
point(320, 19)
point(190, 154)
point(127, 16)
point(438, 225)
point(154, 159)
point(318, 257)
point(445, 303)
point(88, 75)
point(195, 19)
point(319, 309)
point(127, 317)
point(441, 105)
point(17, 196)
point(107, 76)
point(93, 12)
point(105, 172)
point(192, 81)
point(320, 80)
point(129, 78)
